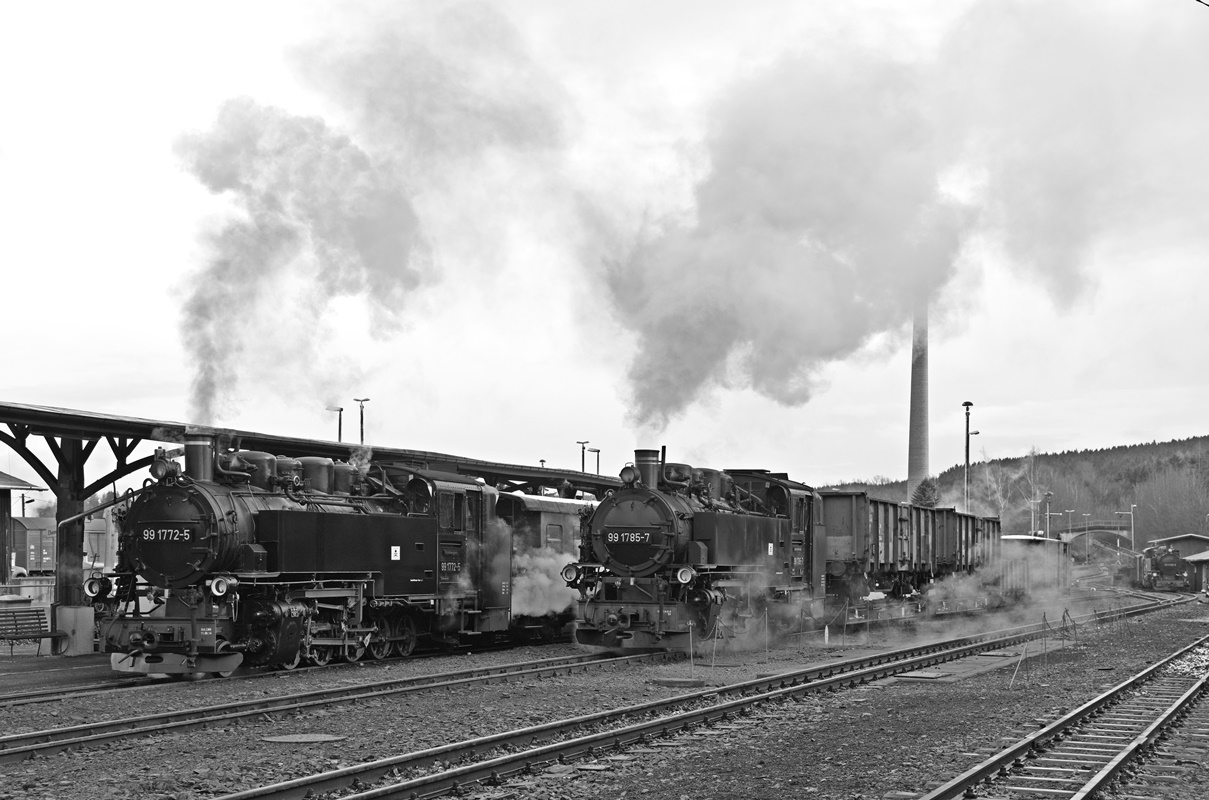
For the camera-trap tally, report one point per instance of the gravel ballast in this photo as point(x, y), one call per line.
point(868, 742)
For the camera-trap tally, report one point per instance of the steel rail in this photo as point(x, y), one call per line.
point(1143, 741)
point(123, 683)
point(999, 765)
point(16, 747)
point(541, 750)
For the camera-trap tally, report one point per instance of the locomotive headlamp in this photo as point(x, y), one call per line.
point(222, 584)
point(629, 475)
point(570, 573)
point(162, 466)
point(97, 587)
point(686, 575)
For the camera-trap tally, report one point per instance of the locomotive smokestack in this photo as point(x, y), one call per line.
point(917, 435)
point(647, 462)
point(199, 457)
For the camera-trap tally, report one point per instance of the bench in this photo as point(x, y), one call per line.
point(26, 624)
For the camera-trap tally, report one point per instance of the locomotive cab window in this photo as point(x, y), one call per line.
point(474, 505)
point(449, 508)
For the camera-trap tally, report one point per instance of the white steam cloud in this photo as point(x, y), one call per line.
point(537, 585)
point(327, 210)
point(820, 222)
point(843, 184)
point(824, 214)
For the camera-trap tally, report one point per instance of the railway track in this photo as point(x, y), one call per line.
point(17, 747)
point(1158, 717)
point(499, 758)
point(123, 683)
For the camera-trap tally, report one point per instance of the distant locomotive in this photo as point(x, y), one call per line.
point(1163, 570)
point(248, 558)
point(679, 555)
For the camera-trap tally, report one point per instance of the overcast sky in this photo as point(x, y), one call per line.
point(516, 225)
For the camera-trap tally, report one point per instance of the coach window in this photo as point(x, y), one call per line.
point(554, 537)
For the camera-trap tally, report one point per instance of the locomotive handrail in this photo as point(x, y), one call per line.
point(130, 493)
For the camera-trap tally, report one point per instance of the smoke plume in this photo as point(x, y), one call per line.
point(828, 205)
point(1082, 122)
point(327, 210)
point(841, 185)
point(820, 219)
point(317, 211)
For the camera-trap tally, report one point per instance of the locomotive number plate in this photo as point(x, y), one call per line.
point(167, 534)
point(628, 537)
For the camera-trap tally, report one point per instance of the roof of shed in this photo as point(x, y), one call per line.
point(16, 484)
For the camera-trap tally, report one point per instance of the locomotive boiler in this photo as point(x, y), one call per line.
point(679, 554)
point(247, 558)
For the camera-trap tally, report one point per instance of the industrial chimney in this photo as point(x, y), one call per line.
point(917, 435)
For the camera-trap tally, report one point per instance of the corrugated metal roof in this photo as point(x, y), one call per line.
point(1198, 557)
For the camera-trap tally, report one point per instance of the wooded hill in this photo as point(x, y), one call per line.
point(1167, 481)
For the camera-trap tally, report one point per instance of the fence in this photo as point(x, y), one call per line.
point(40, 590)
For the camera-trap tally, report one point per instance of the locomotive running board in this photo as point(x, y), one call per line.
point(172, 663)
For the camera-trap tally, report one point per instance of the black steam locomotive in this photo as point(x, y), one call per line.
point(248, 558)
point(679, 555)
point(1163, 570)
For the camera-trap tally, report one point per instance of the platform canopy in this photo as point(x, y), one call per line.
point(72, 436)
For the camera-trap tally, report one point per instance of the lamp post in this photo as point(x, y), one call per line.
point(339, 421)
point(1129, 513)
point(24, 501)
point(596, 450)
point(362, 401)
point(1087, 536)
point(966, 475)
point(1048, 497)
point(1069, 521)
point(583, 455)
point(1049, 527)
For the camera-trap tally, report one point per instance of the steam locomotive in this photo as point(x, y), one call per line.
point(1163, 570)
point(679, 555)
point(247, 558)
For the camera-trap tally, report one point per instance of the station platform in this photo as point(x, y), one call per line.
point(26, 670)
